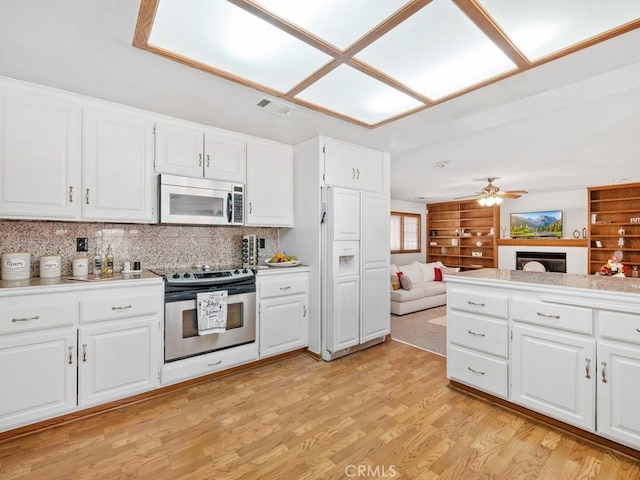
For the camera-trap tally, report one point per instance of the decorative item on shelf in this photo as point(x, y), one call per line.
point(614, 267)
point(476, 254)
point(454, 242)
point(456, 233)
point(503, 229)
point(621, 231)
point(433, 244)
point(492, 232)
point(478, 243)
point(576, 234)
point(443, 250)
point(598, 244)
point(621, 242)
point(634, 220)
point(594, 218)
point(433, 233)
point(479, 234)
point(634, 271)
point(584, 233)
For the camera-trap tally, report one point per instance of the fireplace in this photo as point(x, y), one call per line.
point(552, 261)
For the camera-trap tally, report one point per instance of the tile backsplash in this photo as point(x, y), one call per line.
point(154, 246)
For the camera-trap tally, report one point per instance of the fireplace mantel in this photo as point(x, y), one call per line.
point(539, 242)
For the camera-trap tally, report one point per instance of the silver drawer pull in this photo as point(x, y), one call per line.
point(588, 368)
point(122, 308)
point(285, 288)
point(25, 319)
point(476, 334)
point(70, 355)
point(638, 330)
point(474, 303)
point(604, 375)
point(84, 352)
point(215, 364)
point(475, 371)
point(546, 315)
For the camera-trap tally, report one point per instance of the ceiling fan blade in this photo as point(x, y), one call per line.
point(468, 197)
point(509, 195)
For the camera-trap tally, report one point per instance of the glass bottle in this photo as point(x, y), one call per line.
point(108, 261)
point(97, 261)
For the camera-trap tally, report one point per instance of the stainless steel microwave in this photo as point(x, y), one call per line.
point(199, 201)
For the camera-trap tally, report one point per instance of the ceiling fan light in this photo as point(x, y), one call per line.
point(482, 201)
point(490, 201)
point(499, 200)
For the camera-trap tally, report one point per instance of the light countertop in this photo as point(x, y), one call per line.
point(69, 281)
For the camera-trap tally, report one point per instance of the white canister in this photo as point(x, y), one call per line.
point(16, 266)
point(80, 267)
point(50, 266)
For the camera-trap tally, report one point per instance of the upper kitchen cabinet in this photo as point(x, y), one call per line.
point(352, 166)
point(119, 183)
point(269, 197)
point(39, 153)
point(193, 150)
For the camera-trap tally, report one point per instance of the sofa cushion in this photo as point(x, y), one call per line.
point(428, 272)
point(449, 270)
point(406, 282)
point(407, 295)
point(413, 271)
point(434, 288)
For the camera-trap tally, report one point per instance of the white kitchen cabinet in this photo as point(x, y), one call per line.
point(353, 166)
point(119, 183)
point(193, 150)
point(554, 373)
point(343, 324)
point(344, 205)
point(269, 193)
point(40, 138)
point(283, 300)
point(38, 376)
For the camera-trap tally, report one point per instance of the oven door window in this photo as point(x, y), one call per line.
point(196, 205)
point(190, 319)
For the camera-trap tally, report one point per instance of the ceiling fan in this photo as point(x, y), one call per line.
point(491, 195)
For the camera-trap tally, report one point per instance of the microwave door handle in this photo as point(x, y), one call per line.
point(229, 208)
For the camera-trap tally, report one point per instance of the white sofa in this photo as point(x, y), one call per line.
point(425, 292)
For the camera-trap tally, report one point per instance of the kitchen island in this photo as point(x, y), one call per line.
point(563, 348)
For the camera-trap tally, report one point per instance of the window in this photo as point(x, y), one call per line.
point(405, 232)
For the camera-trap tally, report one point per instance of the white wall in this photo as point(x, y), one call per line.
point(573, 204)
point(411, 207)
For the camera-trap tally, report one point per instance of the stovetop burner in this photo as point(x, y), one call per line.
point(204, 276)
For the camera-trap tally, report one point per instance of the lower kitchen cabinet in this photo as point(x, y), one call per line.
point(38, 376)
point(283, 300)
point(343, 328)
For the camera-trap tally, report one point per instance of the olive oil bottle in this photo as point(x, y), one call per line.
point(108, 262)
point(97, 262)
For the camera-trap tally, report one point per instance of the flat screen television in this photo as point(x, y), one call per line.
point(543, 224)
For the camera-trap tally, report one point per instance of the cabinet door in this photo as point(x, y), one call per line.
point(618, 392)
point(119, 182)
point(283, 324)
point(344, 211)
point(179, 149)
point(224, 158)
point(269, 196)
point(39, 155)
point(353, 166)
point(38, 376)
point(376, 320)
point(343, 325)
point(117, 359)
point(554, 374)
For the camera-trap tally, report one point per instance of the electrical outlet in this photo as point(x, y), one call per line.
point(261, 245)
point(82, 244)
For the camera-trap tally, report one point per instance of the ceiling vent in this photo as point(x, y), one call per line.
point(273, 106)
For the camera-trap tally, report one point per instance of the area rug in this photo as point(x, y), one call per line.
point(425, 329)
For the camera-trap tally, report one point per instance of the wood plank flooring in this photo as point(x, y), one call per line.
point(386, 412)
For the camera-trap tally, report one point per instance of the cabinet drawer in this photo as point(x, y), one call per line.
point(279, 285)
point(563, 317)
point(477, 370)
point(121, 304)
point(36, 312)
point(619, 326)
point(494, 305)
point(479, 333)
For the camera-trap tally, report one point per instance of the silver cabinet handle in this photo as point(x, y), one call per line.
point(84, 352)
point(25, 319)
point(546, 315)
point(250, 207)
point(208, 160)
point(358, 174)
point(588, 368)
point(304, 310)
point(604, 375)
point(474, 303)
point(199, 159)
point(638, 330)
point(475, 371)
point(215, 364)
point(71, 194)
point(287, 287)
point(87, 197)
point(121, 308)
point(476, 334)
point(353, 173)
point(70, 355)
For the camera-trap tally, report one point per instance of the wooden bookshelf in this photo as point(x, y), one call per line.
point(453, 230)
point(611, 208)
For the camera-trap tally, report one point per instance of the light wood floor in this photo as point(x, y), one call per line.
point(386, 411)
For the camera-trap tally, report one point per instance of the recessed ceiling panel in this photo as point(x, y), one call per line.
point(338, 22)
point(436, 52)
point(221, 35)
point(545, 26)
point(349, 92)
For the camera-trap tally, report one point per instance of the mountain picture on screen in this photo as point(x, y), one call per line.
point(547, 224)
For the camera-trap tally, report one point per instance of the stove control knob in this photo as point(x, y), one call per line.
point(236, 271)
point(187, 275)
point(175, 275)
point(245, 270)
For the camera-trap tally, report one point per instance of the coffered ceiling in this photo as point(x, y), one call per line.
point(371, 62)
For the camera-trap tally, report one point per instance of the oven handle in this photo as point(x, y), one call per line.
point(229, 208)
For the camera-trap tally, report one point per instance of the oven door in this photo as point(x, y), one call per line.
point(181, 327)
point(189, 205)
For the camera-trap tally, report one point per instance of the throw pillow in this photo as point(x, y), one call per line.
point(406, 282)
point(395, 281)
point(449, 270)
point(437, 274)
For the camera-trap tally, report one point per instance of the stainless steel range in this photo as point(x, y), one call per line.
point(181, 339)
